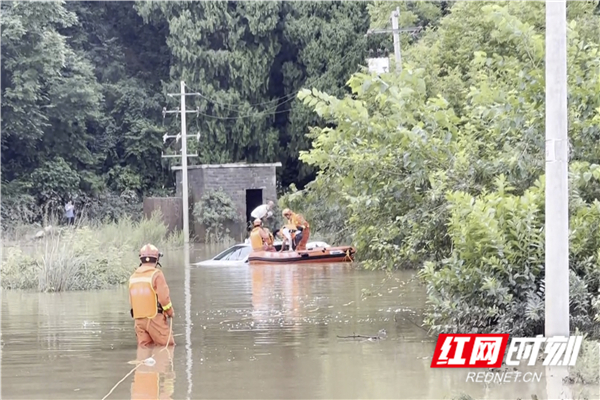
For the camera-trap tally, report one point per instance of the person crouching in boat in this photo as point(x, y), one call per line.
point(150, 301)
point(260, 239)
point(301, 226)
point(286, 234)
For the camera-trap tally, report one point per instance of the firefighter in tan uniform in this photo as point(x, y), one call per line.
point(260, 239)
point(150, 300)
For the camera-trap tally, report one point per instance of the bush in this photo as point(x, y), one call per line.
point(587, 369)
point(215, 211)
point(493, 280)
point(20, 209)
point(110, 206)
point(413, 158)
point(85, 258)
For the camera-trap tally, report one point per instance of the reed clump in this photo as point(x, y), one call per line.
point(82, 257)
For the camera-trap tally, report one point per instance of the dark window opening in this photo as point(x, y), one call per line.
point(254, 198)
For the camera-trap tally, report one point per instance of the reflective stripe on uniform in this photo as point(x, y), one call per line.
point(141, 279)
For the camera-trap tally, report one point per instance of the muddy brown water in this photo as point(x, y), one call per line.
point(248, 332)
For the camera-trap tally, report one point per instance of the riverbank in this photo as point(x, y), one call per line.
point(83, 257)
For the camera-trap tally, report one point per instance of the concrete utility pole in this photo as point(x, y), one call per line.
point(396, 31)
point(184, 169)
point(397, 53)
point(557, 153)
point(184, 156)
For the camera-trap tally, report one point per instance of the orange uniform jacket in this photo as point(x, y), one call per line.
point(298, 220)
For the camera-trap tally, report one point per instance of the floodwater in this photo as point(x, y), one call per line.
point(250, 332)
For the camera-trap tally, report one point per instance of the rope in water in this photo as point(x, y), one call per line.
point(140, 363)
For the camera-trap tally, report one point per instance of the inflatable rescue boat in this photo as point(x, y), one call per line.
point(315, 255)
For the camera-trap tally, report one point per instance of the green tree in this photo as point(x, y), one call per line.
point(49, 92)
point(131, 61)
point(415, 159)
point(217, 212)
point(81, 96)
point(248, 61)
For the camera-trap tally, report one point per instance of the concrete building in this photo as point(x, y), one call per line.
point(248, 185)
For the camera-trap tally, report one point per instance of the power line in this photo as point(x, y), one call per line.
point(282, 100)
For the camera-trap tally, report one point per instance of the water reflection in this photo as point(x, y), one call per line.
point(154, 380)
point(188, 318)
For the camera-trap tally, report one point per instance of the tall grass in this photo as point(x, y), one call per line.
point(587, 368)
point(82, 257)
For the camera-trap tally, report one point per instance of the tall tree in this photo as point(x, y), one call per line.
point(248, 60)
point(50, 97)
point(131, 60)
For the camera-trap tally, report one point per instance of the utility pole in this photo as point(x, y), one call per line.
point(184, 156)
point(557, 189)
point(395, 16)
point(397, 53)
point(184, 171)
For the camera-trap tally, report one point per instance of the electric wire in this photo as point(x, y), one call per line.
point(280, 101)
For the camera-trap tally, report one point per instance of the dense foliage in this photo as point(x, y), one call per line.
point(84, 84)
point(443, 165)
point(247, 64)
point(81, 98)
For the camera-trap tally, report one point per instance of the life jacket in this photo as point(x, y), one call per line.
point(255, 239)
point(298, 220)
point(142, 296)
point(271, 239)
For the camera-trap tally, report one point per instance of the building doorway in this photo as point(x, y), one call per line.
point(254, 198)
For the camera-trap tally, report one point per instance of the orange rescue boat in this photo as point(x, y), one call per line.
point(312, 256)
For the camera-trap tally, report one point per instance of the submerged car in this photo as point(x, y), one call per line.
point(239, 254)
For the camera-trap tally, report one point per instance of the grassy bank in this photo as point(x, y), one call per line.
point(84, 257)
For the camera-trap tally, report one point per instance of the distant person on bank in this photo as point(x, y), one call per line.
point(70, 212)
point(150, 301)
point(302, 227)
point(263, 211)
point(260, 238)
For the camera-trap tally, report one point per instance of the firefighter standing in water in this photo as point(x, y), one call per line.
point(301, 225)
point(150, 300)
point(260, 239)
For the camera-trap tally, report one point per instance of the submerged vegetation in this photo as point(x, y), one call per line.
point(82, 257)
